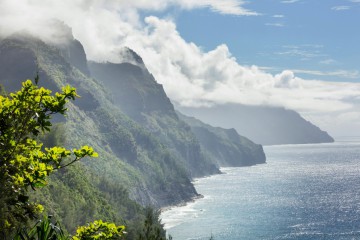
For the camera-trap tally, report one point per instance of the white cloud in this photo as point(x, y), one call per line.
point(290, 1)
point(233, 7)
point(339, 73)
point(97, 22)
point(303, 52)
point(297, 52)
point(328, 61)
point(190, 75)
point(278, 16)
point(340, 8)
point(193, 77)
point(275, 24)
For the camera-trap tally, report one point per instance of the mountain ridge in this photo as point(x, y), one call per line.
point(136, 92)
point(262, 124)
point(130, 156)
point(225, 146)
point(148, 156)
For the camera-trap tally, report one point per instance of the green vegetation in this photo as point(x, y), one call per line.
point(146, 157)
point(225, 146)
point(24, 164)
point(134, 90)
point(42, 230)
point(113, 187)
point(45, 229)
point(153, 229)
point(99, 230)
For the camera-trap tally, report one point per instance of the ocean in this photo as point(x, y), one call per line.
point(303, 192)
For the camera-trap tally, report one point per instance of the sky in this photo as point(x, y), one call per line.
point(315, 39)
point(298, 54)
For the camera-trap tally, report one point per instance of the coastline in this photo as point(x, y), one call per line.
point(199, 195)
point(193, 199)
point(182, 204)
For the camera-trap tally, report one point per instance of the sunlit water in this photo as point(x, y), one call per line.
point(303, 192)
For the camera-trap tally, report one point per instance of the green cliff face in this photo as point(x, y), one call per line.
point(225, 146)
point(133, 164)
point(135, 91)
point(148, 155)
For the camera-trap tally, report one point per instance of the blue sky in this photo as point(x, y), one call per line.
point(316, 39)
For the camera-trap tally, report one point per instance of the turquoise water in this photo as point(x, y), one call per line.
point(303, 192)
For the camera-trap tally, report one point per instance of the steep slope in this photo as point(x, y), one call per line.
point(148, 154)
point(73, 51)
point(225, 146)
point(133, 163)
point(135, 91)
point(264, 125)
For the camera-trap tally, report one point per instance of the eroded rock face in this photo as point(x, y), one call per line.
point(132, 87)
point(225, 146)
point(135, 91)
point(130, 156)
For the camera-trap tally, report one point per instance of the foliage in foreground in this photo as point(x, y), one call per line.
point(25, 164)
point(153, 229)
point(45, 229)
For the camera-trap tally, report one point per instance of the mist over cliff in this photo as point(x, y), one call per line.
point(262, 124)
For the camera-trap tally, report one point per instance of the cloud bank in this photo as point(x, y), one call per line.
point(190, 75)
